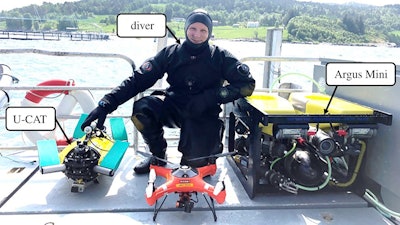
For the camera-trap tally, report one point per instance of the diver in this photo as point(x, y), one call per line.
point(201, 77)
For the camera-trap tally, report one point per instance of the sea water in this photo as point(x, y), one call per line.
point(32, 69)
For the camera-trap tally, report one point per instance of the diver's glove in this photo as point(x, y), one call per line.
point(200, 103)
point(99, 113)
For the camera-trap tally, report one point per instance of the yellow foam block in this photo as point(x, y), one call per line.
point(315, 103)
point(271, 104)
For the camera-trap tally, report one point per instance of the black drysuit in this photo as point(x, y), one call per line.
point(200, 80)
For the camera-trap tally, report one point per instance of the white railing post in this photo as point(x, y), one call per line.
point(273, 46)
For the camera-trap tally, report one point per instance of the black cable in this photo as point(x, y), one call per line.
point(6, 199)
point(17, 161)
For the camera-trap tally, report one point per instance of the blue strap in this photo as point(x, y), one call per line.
point(115, 155)
point(48, 152)
point(118, 129)
point(78, 133)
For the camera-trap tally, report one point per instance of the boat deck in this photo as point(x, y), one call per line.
point(29, 197)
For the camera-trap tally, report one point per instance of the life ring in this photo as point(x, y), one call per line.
point(65, 107)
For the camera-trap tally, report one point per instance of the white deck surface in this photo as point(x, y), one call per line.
point(47, 199)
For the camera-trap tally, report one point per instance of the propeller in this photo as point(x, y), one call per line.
point(220, 186)
point(145, 154)
point(150, 183)
point(214, 156)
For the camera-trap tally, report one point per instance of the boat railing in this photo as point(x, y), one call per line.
point(135, 132)
point(280, 59)
point(76, 88)
point(71, 54)
point(135, 146)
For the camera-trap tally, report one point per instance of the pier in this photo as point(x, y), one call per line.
point(52, 35)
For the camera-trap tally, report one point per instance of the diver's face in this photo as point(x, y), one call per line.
point(197, 33)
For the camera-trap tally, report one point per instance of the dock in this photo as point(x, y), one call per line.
point(53, 35)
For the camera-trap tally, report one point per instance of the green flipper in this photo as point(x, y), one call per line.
point(78, 133)
point(48, 153)
point(118, 129)
point(114, 156)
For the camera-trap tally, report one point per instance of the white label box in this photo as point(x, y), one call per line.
point(361, 73)
point(30, 118)
point(131, 25)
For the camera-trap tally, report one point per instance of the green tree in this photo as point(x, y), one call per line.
point(36, 25)
point(354, 25)
point(360, 25)
point(394, 38)
point(47, 27)
point(168, 13)
point(112, 19)
point(65, 23)
point(356, 22)
point(14, 22)
point(28, 21)
point(289, 15)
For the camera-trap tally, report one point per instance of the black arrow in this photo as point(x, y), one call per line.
point(65, 134)
point(330, 100)
point(170, 31)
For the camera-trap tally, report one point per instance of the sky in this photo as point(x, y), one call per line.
point(11, 4)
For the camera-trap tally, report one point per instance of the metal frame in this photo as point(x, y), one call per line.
point(242, 110)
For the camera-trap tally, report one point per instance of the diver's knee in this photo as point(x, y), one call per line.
point(146, 112)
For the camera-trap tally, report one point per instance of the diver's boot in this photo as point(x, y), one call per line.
point(143, 166)
point(157, 145)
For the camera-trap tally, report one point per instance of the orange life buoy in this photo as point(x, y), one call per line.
point(65, 107)
point(35, 96)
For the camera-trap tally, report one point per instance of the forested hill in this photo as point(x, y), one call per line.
point(305, 22)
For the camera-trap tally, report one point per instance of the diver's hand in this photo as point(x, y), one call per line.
point(99, 113)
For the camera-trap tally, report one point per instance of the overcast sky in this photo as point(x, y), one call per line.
point(11, 4)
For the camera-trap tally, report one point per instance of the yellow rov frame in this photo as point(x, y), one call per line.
point(304, 103)
point(92, 154)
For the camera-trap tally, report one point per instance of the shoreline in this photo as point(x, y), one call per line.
point(96, 36)
point(387, 44)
